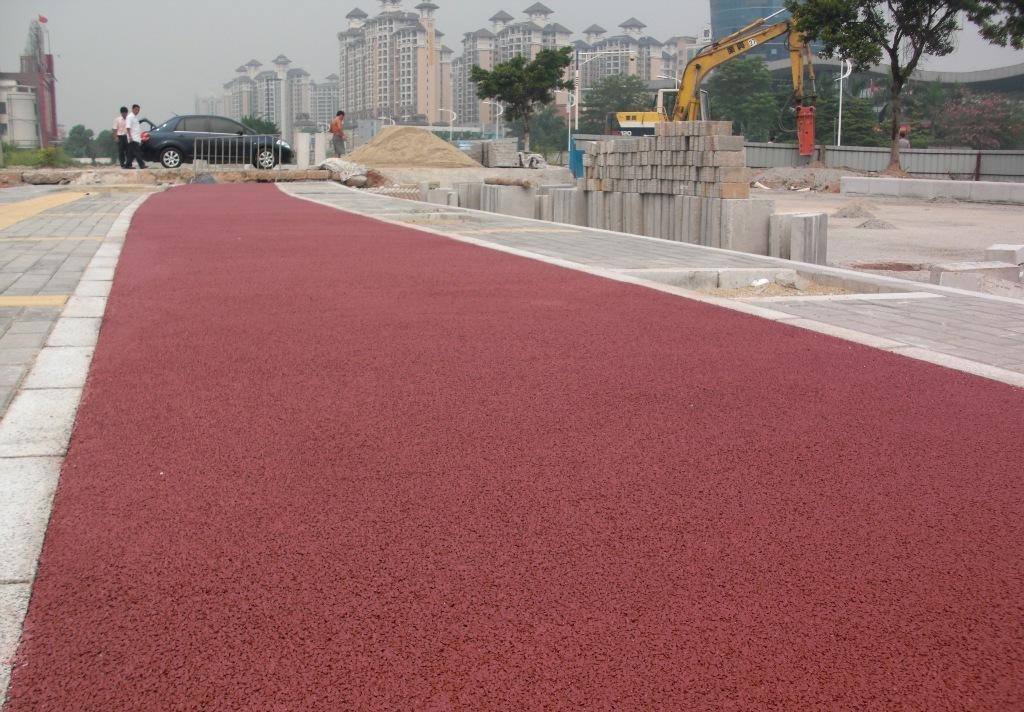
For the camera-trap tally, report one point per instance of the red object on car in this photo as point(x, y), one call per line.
point(145, 135)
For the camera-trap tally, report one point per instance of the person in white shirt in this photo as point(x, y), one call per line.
point(134, 130)
point(121, 136)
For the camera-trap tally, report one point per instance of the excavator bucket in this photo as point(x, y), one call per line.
point(805, 129)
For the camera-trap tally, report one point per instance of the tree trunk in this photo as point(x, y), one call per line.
point(526, 134)
point(895, 106)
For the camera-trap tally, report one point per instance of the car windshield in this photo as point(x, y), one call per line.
point(162, 126)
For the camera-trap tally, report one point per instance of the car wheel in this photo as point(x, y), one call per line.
point(265, 158)
point(171, 158)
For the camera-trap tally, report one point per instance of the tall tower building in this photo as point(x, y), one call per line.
point(727, 16)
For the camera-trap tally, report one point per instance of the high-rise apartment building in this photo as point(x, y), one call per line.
point(394, 64)
point(326, 101)
point(284, 95)
point(506, 38)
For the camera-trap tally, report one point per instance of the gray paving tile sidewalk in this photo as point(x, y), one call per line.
point(985, 330)
point(17, 193)
point(45, 255)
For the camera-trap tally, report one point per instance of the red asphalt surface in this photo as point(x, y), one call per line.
point(328, 463)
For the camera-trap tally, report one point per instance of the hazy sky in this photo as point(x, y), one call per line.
point(162, 54)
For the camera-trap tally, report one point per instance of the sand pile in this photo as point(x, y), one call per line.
point(407, 146)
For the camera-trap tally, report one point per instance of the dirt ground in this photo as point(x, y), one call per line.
point(911, 233)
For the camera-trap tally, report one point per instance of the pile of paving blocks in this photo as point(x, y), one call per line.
point(687, 183)
point(501, 153)
point(692, 158)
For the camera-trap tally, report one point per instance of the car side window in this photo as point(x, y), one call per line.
point(194, 123)
point(224, 126)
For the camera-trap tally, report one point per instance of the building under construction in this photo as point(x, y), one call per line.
point(28, 97)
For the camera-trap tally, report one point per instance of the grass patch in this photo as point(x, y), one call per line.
point(37, 157)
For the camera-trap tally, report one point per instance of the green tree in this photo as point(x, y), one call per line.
point(524, 86)
point(550, 133)
point(904, 31)
point(261, 126)
point(106, 145)
point(79, 142)
point(616, 92)
point(741, 91)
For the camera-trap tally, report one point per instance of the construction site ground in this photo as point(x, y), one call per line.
point(910, 233)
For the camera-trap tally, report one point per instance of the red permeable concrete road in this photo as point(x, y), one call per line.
point(328, 463)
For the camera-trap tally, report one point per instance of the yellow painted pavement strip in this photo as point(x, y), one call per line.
point(16, 212)
point(42, 300)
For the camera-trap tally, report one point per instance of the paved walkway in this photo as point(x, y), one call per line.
point(971, 332)
point(50, 238)
point(54, 297)
point(324, 462)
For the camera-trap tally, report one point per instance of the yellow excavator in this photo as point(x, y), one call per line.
point(688, 100)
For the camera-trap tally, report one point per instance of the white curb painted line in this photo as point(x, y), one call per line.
point(908, 350)
point(36, 430)
point(880, 297)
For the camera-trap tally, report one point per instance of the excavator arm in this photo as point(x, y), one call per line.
point(739, 43)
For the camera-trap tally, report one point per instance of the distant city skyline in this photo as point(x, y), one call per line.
point(166, 69)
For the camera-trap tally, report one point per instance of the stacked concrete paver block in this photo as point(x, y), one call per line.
point(686, 183)
point(503, 153)
point(802, 237)
point(696, 158)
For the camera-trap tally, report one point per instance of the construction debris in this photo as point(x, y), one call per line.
point(342, 170)
point(876, 225)
point(510, 181)
point(855, 209)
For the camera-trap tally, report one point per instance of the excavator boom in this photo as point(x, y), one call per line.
point(688, 106)
point(734, 46)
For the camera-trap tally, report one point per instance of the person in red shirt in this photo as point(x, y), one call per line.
point(338, 134)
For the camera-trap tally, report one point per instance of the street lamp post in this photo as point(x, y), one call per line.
point(843, 74)
point(497, 115)
point(570, 102)
point(588, 57)
point(451, 124)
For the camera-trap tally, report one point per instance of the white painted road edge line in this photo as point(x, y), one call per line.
point(976, 368)
point(880, 297)
point(35, 433)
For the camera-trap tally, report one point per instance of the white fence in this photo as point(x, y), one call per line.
point(237, 152)
point(956, 163)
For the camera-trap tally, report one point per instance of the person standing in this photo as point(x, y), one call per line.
point(338, 134)
point(134, 130)
point(121, 136)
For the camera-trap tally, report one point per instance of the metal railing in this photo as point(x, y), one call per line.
point(222, 153)
point(956, 163)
